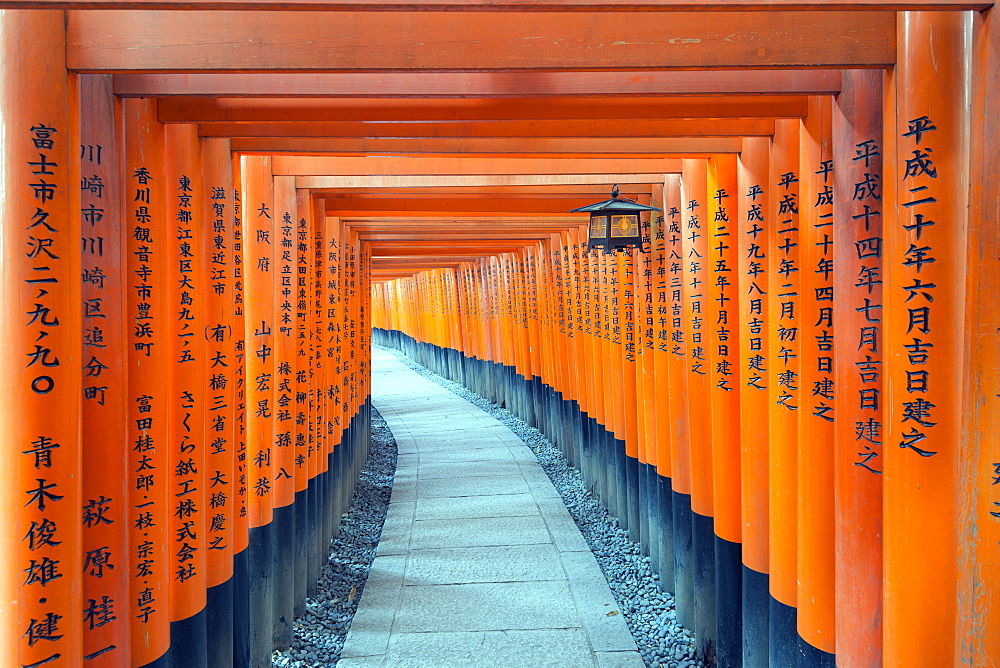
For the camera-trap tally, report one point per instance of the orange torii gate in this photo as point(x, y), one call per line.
point(186, 403)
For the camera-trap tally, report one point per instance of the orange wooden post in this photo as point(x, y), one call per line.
point(325, 331)
point(755, 222)
point(724, 393)
point(42, 603)
point(241, 496)
point(148, 365)
point(218, 251)
point(925, 251)
point(624, 315)
point(283, 455)
point(784, 385)
point(187, 285)
point(694, 226)
point(611, 389)
point(815, 598)
point(659, 337)
point(646, 377)
point(860, 394)
point(258, 261)
point(304, 254)
point(978, 628)
point(642, 322)
point(677, 382)
point(105, 516)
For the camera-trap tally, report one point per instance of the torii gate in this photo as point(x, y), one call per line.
point(164, 436)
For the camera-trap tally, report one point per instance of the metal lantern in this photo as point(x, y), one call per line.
point(614, 223)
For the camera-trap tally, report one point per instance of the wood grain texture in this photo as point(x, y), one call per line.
point(478, 84)
point(119, 41)
point(506, 5)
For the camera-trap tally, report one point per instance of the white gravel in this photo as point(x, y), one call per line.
point(320, 633)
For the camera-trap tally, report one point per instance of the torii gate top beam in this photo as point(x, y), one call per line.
point(506, 5)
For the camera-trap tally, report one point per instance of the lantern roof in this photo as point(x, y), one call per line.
point(616, 203)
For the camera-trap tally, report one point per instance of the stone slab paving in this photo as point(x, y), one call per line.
point(479, 563)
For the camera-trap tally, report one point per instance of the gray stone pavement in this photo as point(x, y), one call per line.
point(479, 563)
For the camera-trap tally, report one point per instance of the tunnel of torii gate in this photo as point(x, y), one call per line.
point(788, 395)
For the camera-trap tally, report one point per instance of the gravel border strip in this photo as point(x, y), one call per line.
point(649, 612)
point(320, 633)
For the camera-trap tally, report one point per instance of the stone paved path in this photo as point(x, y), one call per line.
point(479, 563)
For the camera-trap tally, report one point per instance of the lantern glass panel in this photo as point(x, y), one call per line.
point(598, 227)
point(625, 226)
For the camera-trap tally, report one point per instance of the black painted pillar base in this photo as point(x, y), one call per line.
point(162, 662)
point(283, 613)
point(756, 613)
point(813, 657)
point(728, 602)
point(189, 642)
point(261, 585)
point(632, 489)
point(241, 609)
point(301, 564)
point(784, 637)
point(219, 617)
point(683, 560)
point(703, 540)
point(665, 515)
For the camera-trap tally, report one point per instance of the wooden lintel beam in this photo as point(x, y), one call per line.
point(510, 130)
point(447, 235)
point(451, 248)
point(371, 109)
point(489, 193)
point(471, 219)
point(438, 180)
point(483, 228)
point(386, 260)
point(403, 166)
point(419, 86)
point(518, 6)
point(165, 41)
point(630, 148)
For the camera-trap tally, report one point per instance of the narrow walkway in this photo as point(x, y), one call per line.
point(479, 563)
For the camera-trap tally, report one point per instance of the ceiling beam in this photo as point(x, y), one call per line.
point(563, 128)
point(511, 147)
point(427, 86)
point(371, 109)
point(629, 190)
point(121, 41)
point(307, 165)
point(519, 6)
point(439, 180)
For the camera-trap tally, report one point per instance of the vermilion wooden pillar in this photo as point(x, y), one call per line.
point(241, 497)
point(149, 364)
point(105, 512)
point(978, 628)
point(300, 387)
point(285, 294)
point(258, 262)
point(677, 377)
point(694, 226)
point(661, 398)
point(784, 385)
point(861, 211)
point(755, 222)
point(815, 563)
point(218, 251)
point(41, 394)
point(187, 284)
point(723, 348)
point(925, 251)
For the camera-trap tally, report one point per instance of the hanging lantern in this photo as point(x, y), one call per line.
point(614, 223)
